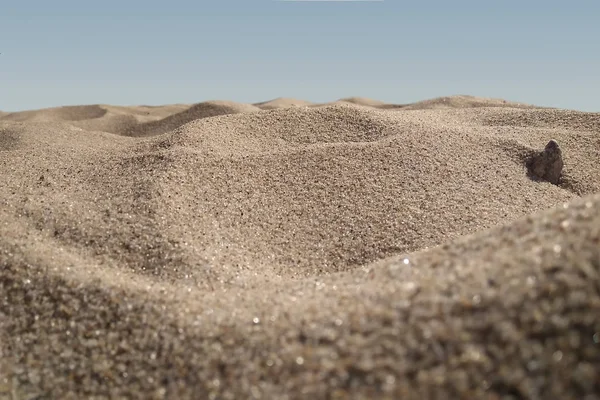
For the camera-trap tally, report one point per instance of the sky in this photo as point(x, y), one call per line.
point(130, 52)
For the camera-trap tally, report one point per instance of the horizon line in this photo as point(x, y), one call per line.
point(330, 1)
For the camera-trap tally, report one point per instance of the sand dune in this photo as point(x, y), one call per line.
point(198, 111)
point(130, 120)
point(96, 111)
point(362, 101)
point(358, 101)
point(548, 119)
point(66, 113)
point(154, 120)
point(282, 102)
point(457, 101)
point(343, 250)
point(463, 101)
point(107, 118)
point(148, 113)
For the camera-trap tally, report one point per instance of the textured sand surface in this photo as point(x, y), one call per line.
point(339, 251)
point(362, 101)
point(282, 102)
point(197, 111)
point(463, 101)
point(114, 119)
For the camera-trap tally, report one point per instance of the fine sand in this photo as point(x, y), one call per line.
point(282, 102)
point(289, 250)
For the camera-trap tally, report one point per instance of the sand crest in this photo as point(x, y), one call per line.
point(282, 102)
point(66, 113)
point(463, 101)
point(363, 101)
point(107, 118)
point(197, 111)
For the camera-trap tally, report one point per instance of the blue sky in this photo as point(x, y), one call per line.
point(65, 52)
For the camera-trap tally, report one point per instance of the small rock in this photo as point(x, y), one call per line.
point(547, 165)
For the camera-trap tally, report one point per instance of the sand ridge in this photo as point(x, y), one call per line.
point(282, 102)
point(363, 101)
point(465, 101)
point(94, 111)
point(146, 120)
point(342, 250)
point(99, 117)
point(197, 111)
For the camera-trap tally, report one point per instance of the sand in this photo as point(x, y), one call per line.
point(282, 102)
point(339, 251)
point(465, 101)
point(197, 111)
point(100, 117)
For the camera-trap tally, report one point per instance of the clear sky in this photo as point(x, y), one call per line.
point(64, 52)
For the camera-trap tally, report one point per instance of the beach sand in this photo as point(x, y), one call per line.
point(288, 250)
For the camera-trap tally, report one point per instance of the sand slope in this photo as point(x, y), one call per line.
point(198, 111)
point(282, 102)
point(362, 101)
point(130, 120)
point(154, 120)
point(464, 101)
point(66, 113)
point(301, 252)
point(456, 101)
point(95, 111)
point(99, 117)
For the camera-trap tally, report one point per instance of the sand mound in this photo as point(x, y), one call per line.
point(197, 111)
point(110, 122)
point(362, 101)
point(106, 118)
point(120, 119)
point(462, 101)
point(282, 102)
point(548, 119)
point(66, 113)
point(249, 255)
point(149, 113)
point(527, 129)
